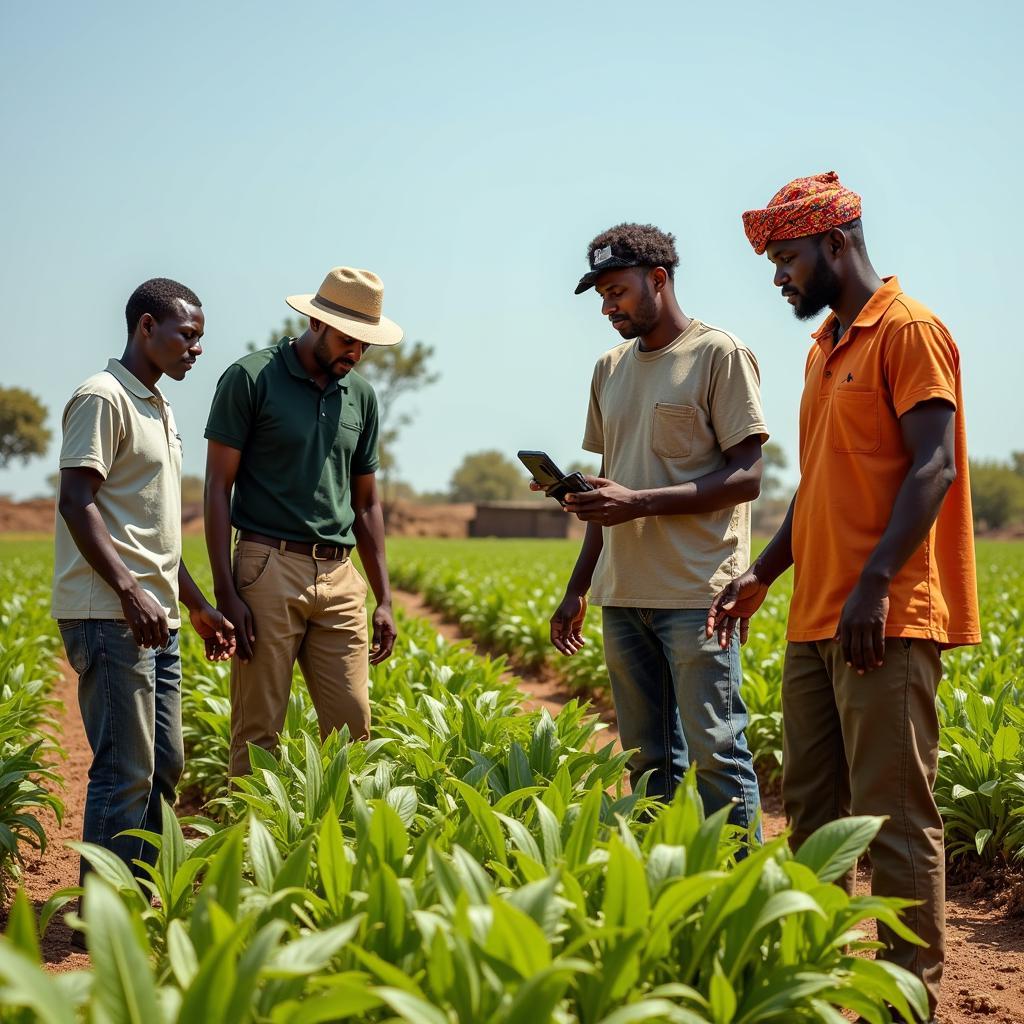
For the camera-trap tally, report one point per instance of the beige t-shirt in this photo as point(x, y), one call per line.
point(115, 425)
point(663, 418)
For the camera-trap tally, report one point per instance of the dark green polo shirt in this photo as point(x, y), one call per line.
point(300, 445)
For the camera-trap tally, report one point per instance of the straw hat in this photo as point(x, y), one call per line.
point(351, 301)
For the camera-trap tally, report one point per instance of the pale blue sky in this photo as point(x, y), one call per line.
point(467, 153)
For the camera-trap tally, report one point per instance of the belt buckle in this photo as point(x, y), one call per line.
point(325, 558)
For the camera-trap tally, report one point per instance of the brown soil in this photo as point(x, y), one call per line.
point(984, 978)
point(985, 948)
point(57, 866)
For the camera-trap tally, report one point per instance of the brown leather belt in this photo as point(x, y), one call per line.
point(319, 550)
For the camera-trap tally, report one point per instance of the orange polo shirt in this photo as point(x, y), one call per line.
point(853, 461)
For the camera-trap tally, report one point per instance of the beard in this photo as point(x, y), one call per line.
point(645, 319)
point(322, 355)
point(821, 290)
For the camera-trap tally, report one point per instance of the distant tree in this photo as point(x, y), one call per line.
point(192, 490)
point(774, 459)
point(489, 476)
point(1017, 462)
point(583, 466)
point(22, 431)
point(395, 371)
point(997, 494)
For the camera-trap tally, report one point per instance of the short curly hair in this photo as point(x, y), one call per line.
point(648, 245)
point(158, 296)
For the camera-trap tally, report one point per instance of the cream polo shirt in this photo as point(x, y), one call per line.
point(115, 425)
point(662, 418)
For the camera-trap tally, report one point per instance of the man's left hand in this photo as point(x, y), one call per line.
point(217, 632)
point(384, 634)
point(861, 628)
point(608, 505)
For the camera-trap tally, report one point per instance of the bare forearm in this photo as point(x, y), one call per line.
point(369, 530)
point(90, 535)
point(916, 507)
point(777, 556)
point(217, 524)
point(724, 488)
point(188, 590)
point(586, 562)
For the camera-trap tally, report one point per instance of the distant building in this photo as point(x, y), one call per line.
point(524, 519)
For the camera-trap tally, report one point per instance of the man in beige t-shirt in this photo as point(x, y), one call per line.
point(118, 572)
point(675, 414)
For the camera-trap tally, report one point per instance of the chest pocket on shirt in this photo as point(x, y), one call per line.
point(855, 426)
point(672, 430)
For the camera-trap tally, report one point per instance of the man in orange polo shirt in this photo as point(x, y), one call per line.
point(881, 540)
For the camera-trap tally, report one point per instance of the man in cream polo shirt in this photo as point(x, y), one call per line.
point(118, 571)
point(675, 413)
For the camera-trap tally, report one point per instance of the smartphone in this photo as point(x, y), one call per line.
point(555, 483)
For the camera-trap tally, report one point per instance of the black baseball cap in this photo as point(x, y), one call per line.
point(605, 259)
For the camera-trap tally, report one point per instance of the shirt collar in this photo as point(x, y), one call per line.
point(869, 315)
point(130, 382)
point(295, 368)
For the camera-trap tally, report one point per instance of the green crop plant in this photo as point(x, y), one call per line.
point(29, 749)
point(587, 921)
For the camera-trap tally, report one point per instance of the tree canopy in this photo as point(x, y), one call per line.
point(23, 433)
point(489, 476)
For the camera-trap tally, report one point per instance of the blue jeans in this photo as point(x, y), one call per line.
point(130, 698)
point(677, 698)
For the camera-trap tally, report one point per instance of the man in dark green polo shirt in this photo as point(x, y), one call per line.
point(291, 460)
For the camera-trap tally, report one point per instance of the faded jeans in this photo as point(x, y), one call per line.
point(130, 698)
point(677, 698)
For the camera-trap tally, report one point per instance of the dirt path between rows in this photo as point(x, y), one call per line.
point(985, 955)
point(984, 979)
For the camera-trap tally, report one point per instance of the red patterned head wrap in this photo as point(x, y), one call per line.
point(806, 206)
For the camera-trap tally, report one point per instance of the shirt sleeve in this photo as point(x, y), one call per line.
point(233, 408)
point(735, 399)
point(593, 434)
point(93, 429)
point(921, 362)
point(366, 457)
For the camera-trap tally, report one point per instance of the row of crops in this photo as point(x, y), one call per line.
point(503, 593)
point(471, 862)
point(29, 749)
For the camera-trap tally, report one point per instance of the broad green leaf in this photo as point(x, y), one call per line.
point(311, 953)
point(834, 848)
point(266, 861)
point(21, 927)
point(413, 1009)
point(584, 829)
point(626, 899)
point(181, 954)
point(350, 999)
point(123, 990)
point(517, 940)
point(332, 861)
point(27, 985)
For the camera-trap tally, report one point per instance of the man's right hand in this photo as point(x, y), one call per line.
point(145, 618)
point(734, 606)
point(567, 624)
point(235, 610)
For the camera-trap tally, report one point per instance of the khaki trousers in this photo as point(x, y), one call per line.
point(306, 610)
point(869, 745)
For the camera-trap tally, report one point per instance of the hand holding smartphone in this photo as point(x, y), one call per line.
point(548, 476)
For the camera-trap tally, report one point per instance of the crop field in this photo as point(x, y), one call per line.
point(503, 592)
point(473, 861)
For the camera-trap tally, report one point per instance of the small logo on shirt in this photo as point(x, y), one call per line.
point(849, 379)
